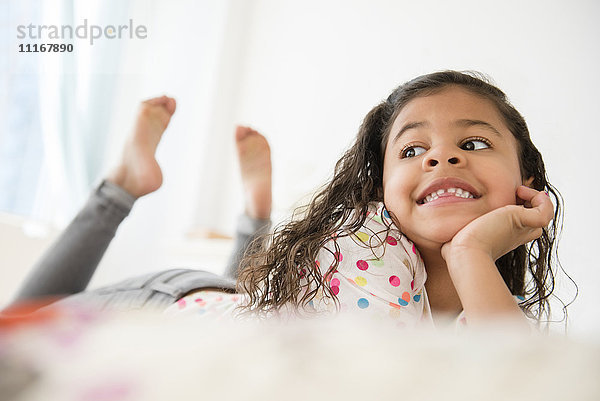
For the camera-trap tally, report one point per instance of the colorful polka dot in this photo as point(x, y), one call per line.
point(386, 214)
point(181, 303)
point(417, 297)
point(363, 303)
point(364, 237)
point(405, 299)
point(362, 265)
point(412, 284)
point(521, 297)
point(335, 286)
point(391, 240)
point(338, 256)
point(360, 281)
point(414, 249)
point(393, 305)
point(395, 281)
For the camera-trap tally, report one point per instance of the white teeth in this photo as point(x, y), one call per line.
point(459, 192)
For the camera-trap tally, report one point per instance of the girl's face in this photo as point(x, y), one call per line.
point(449, 159)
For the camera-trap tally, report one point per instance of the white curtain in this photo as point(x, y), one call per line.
point(20, 139)
point(76, 97)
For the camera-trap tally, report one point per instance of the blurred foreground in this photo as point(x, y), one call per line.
point(85, 355)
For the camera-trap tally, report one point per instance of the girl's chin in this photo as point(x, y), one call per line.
point(433, 238)
point(436, 232)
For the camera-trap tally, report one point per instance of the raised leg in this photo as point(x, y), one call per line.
point(254, 156)
point(68, 265)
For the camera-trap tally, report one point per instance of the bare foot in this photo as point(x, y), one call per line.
point(139, 173)
point(254, 155)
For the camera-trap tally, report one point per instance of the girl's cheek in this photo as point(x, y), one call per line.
point(396, 189)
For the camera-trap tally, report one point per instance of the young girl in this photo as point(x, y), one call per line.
point(441, 206)
point(440, 209)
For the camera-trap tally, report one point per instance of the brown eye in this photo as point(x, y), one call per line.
point(474, 144)
point(413, 151)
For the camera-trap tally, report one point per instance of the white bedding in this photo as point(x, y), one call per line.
point(84, 355)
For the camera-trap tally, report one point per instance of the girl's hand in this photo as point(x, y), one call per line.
point(500, 231)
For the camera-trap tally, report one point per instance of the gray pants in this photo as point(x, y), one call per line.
point(67, 267)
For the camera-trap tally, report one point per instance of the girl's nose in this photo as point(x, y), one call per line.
point(435, 158)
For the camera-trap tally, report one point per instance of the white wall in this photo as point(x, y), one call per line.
point(305, 73)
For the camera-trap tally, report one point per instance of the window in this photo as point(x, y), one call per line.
point(21, 144)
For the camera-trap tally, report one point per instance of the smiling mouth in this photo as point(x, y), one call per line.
point(447, 193)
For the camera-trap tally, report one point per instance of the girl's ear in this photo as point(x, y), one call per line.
point(528, 182)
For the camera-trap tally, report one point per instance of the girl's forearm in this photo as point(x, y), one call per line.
point(481, 288)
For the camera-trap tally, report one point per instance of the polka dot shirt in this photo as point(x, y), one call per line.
point(380, 275)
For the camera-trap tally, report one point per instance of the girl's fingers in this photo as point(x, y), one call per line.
point(526, 193)
point(533, 235)
point(541, 210)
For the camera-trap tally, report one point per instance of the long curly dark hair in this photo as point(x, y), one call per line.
point(280, 270)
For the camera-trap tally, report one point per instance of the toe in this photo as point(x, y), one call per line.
point(171, 105)
point(167, 102)
point(241, 132)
